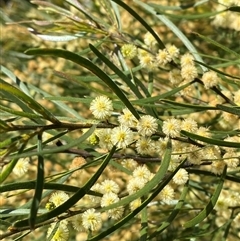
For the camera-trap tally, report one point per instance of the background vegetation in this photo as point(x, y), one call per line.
point(176, 178)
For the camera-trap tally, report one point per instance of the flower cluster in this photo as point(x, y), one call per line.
point(91, 220)
point(171, 127)
point(228, 199)
point(129, 164)
point(122, 136)
point(147, 60)
point(21, 167)
point(188, 70)
point(58, 198)
point(210, 79)
point(110, 190)
point(227, 19)
point(175, 77)
point(127, 118)
point(62, 232)
point(149, 40)
point(162, 58)
point(147, 125)
point(167, 194)
point(129, 51)
point(181, 177)
point(145, 146)
point(168, 90)
point(217, 167)
point(141, 136)
point(105, 138)
point(109, 186)
point(101, 107)
point(141, 175)
point(231, 159)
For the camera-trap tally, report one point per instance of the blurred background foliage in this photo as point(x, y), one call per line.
point(46, 24)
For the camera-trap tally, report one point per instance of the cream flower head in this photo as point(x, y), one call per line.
point(101, 107)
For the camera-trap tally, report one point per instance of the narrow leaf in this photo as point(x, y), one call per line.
point(159, 7)
point(73, 143)
point(173, 214)
point(211, 140)
point(91, 67)
point(52, 7)
point(126, 219)
point(20, 113)
point(229, 177)
point(85, 11)
point(213, 42)
point(117, 15)
point(29, 101)
point(162, 96)
point(216, 70)
point(190, 106)
point(3, 125)
point(72, 200)
point(47, 185)
point(209, 207)
point(11, 97)
point(57, 38)
point(16, 212)
point(191, 16)
point(16, 80)
point(234, 9)
point(229, 109)
point(8, 169)
point(39, 186)
point(141, 20)
point(151, 184)
point(117, 71)
point(10, 141)
point(106, 4)
point(174, 29)
point(58, 103)
point(144, 225)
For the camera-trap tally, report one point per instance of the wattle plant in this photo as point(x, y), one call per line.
point(120, 120)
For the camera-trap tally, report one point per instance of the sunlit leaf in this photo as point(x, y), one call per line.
point(29, 101)
point(141, 20)
point(209, 207)
point(90, 66)
point(39, 186)
point(217, 44)
point(234, 9)
point(211, 140)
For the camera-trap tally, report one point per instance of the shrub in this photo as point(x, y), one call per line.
point(120, 121)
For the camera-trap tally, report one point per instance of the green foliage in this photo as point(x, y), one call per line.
point(165, 140)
